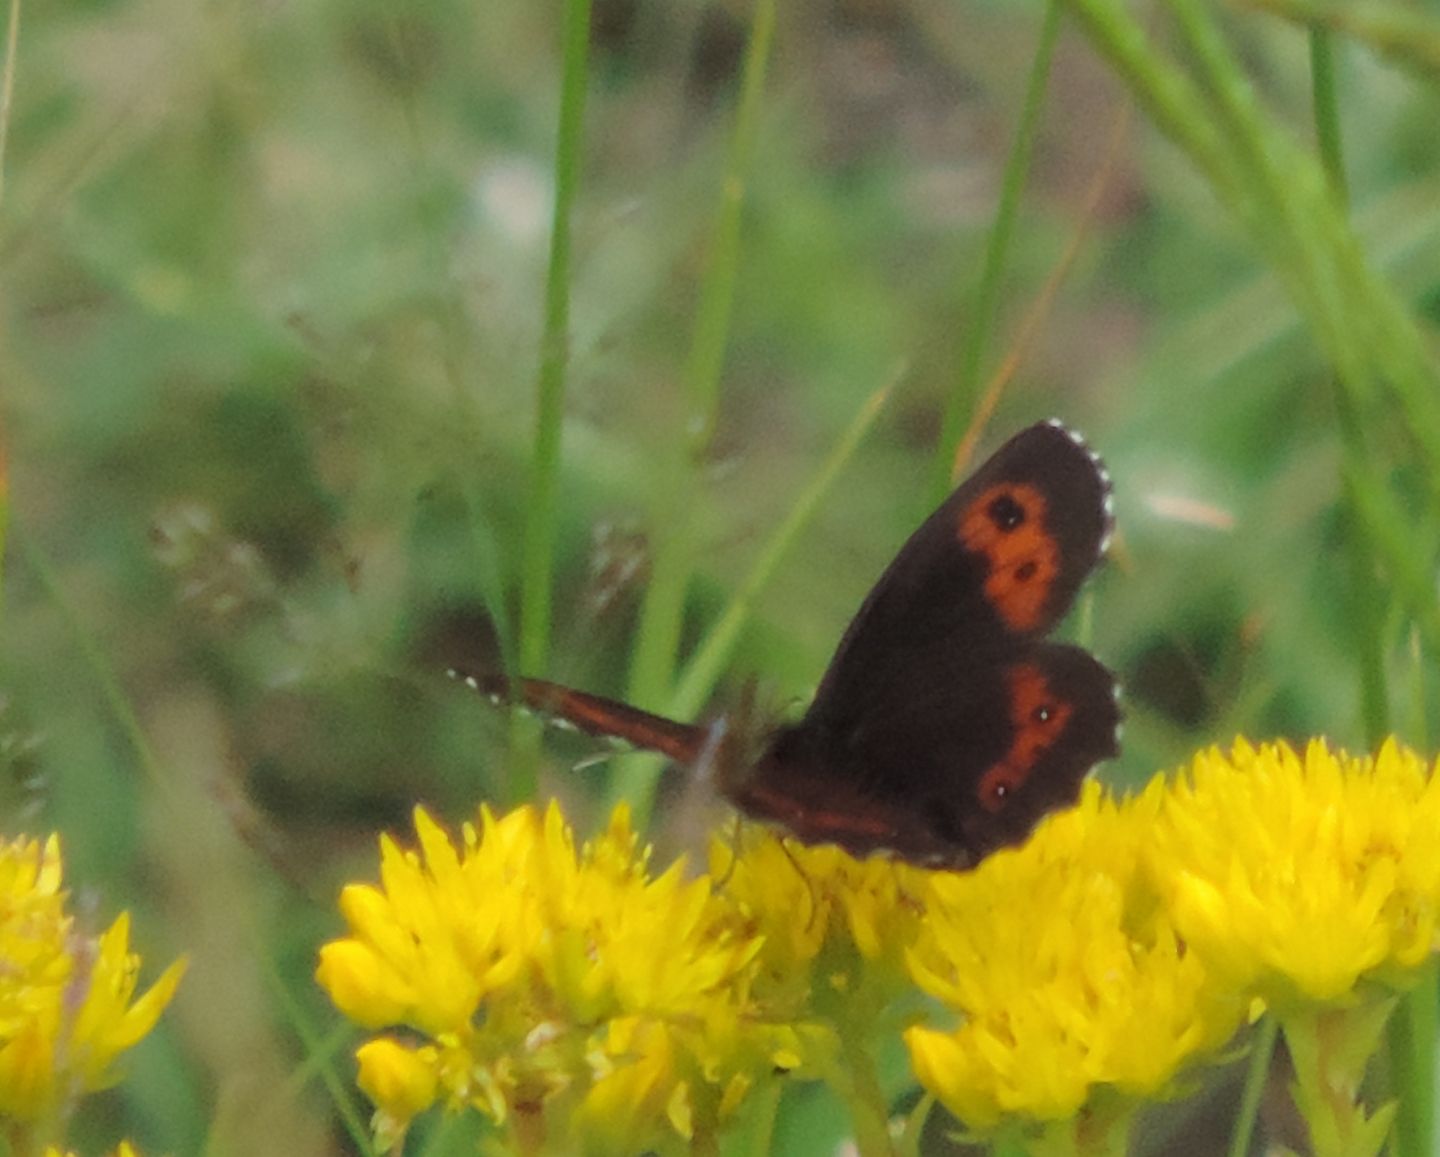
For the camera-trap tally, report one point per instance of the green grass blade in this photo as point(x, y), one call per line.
point(320, 1054)
point(1368, 612)
point(1417, 730)
point(1327, 112)
point(111, 690)
point(961, 402)
point(4, 517)
point(703, 671)
point(1405, 547)
point(662, 610)
point(540, 515)
point(1404, 36)
point(7, 85)
point(717, 290)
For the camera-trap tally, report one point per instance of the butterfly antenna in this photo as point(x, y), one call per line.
point(495, 688)
point(808, 882)
point(737, 827)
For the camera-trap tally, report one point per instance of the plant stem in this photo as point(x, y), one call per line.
point(1410, 1036)
point(861, 1091)
point(1257, 1073)
point(1331, 1048)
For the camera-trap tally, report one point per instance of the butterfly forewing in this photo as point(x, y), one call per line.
point(1000, 561)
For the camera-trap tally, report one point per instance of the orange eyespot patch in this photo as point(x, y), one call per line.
point(1038, 718)
point(1006, 524)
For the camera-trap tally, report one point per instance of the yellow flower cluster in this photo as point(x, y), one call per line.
point(1065, 974)
point(1297, 876)
point(67, 1000)
point(1128, 937)
point(575, 995)
point(555, 981)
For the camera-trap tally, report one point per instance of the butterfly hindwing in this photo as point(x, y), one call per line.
point(955, 767)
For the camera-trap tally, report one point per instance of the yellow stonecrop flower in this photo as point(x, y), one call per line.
point(571, 982)
point(439, 933)
point(402, 1079)
point(67, 1001)
point(1298, 877)
point(1066, 976)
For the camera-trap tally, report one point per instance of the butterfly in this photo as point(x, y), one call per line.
point(947, 724)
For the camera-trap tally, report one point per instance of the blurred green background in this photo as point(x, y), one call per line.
point(272, 280)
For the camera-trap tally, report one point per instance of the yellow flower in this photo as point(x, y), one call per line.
point(438, 935)
point(1066, 975)
point(400, 1080)
point(554, 984)
point(124, 1149)
point(1298, 877)
point(67, 1001)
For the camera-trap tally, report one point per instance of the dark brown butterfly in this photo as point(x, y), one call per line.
point(947, 723)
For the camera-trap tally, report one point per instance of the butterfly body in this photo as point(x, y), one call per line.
point(947, 724)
